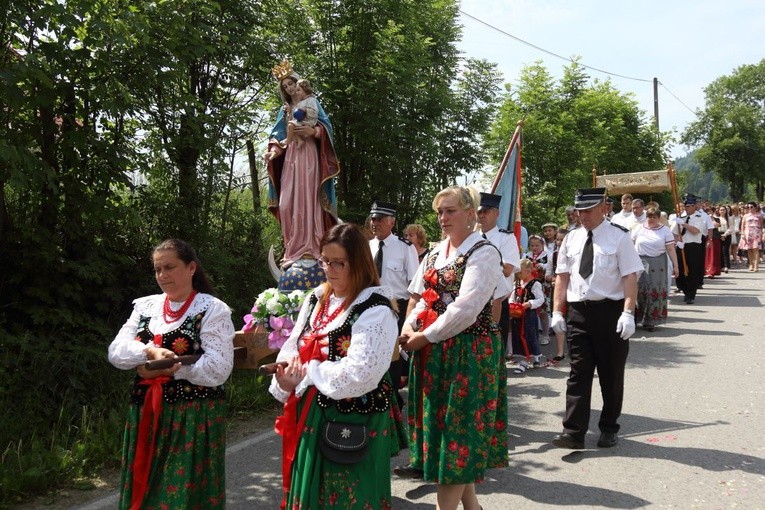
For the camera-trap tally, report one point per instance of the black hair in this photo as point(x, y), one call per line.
point(186, 253)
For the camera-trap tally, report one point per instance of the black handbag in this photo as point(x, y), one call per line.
point(344, 443)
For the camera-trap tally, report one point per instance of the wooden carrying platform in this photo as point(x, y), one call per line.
point(258, 352)
point(639, 182)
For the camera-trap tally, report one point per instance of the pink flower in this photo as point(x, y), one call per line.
point(282, 329)
point(249, 320)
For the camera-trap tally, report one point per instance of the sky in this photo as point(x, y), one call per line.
point(685, 44)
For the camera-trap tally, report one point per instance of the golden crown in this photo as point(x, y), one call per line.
point(283, 70)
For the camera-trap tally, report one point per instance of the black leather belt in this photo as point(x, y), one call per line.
point(593, 302)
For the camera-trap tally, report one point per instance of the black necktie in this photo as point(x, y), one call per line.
point(379, 258)
point(484, 235)
point(585, 267)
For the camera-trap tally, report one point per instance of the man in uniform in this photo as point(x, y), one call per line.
point(396, 261)
point(597, 275)
point(488, 214)
point(609, 208)
point(691, 226)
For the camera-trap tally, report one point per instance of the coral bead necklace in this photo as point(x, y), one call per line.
point(170, 315)
point(323, 318)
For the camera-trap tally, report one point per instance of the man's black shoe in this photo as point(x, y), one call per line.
point(568, 441)
point(408, 471)
point(608, 439)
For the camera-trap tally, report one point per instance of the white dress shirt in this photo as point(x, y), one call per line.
point(621, 218)
point(614, 256)
point(400, 263)
point(508, 248)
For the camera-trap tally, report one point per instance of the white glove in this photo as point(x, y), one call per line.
point(625, 326)
point(559, 323)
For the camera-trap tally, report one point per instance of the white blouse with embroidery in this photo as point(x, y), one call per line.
point(216, 335)
point(482, 271)
point(373, 337)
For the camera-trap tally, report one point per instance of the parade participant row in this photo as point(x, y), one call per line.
point(337, 379)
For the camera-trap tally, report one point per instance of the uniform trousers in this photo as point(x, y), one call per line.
point(692, 257)
point(703, 262)
point(400, 367)
point(594, 345)
point(504, 327)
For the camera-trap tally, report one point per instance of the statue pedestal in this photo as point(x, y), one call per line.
point(258, 351)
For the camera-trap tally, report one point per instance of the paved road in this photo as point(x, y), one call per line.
point(693, 427)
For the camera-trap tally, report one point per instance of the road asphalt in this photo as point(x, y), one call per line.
point(693, 425)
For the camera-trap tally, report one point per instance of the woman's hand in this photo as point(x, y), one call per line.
point(415, 342)
point(675, 271)
point(154, 353)
point(527, 305)
point(290, 376)
point(407, 330)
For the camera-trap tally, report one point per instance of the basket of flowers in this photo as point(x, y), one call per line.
point(275, 312)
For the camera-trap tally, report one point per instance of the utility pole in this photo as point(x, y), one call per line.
point(656, 103)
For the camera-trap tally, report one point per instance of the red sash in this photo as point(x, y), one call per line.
point(288, 425)
point(147, 438)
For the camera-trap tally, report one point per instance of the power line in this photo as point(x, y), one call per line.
point(678, 99)
point(551, 53)
point(567, 59)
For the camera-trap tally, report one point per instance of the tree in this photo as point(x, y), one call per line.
point(408, 114)
point(730, 131)
point(570, 127)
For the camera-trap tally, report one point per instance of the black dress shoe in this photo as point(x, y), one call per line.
point(568, 441)
point(408, 471)
point(608, 439)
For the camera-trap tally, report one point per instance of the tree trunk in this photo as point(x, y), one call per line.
point(252, 158)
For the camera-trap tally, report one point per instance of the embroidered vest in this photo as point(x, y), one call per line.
point(182, 340)
point(448, 288)
point(377, 400)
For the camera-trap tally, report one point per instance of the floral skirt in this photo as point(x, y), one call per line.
point(189, 460)
point(318, 483)
point(457, 409)
point(652, 291)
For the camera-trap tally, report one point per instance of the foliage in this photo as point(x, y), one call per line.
point(730, 133)
point(407, 114)
point(568, 128)
point(700, 182)
point(124, 123)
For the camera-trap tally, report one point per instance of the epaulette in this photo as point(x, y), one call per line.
point(405, 240)
point(623, 229)
point(506, 231)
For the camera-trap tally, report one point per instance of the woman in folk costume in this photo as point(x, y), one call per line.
point(457, 409)
point(175, 439)
point(301, 185)
point(338, 357)
point(655, 245)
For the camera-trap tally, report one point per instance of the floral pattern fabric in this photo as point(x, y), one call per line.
point(318, 483)
point(457, 408)
point(651, 306)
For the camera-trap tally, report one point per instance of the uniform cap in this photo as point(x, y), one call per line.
point(380, 209)
point(489, 200)
point(587, 198)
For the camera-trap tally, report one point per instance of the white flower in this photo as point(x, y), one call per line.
point(274, 306)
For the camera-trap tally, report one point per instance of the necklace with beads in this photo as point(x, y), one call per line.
point(322, 318)
point(170, 315)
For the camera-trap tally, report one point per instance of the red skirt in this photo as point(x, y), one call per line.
point(712, 258)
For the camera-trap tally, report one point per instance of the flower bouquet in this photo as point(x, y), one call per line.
point(276, 312)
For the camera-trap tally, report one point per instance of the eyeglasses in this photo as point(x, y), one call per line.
point(335, 265)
